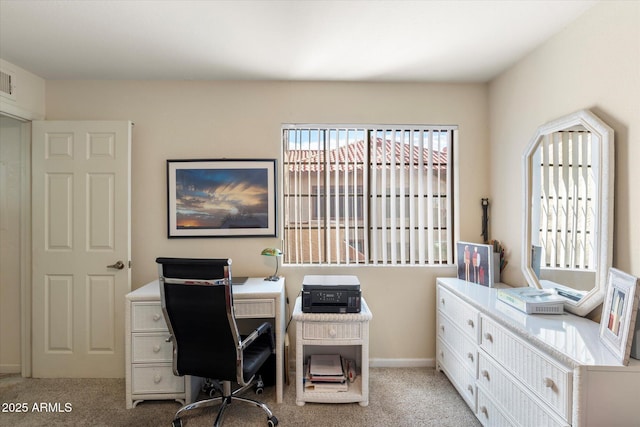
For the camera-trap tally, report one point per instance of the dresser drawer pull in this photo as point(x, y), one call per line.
point(488, 337)
point(485, 374)
point(485, 411)
point(470, 322)
point(442, 328)
point(470, 356)
point(548, 382)
point(442, 354)
point(333, 332)
point(442, 301)
point(157, 317)
point(156, 348)
point(470, 388)
point(157, 378)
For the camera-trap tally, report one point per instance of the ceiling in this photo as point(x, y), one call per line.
point(430, 40)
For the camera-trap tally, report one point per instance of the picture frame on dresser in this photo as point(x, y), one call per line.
point(475, 263)
point(619, 313)
point(221, 198)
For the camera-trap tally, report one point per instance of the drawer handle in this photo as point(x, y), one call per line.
point(333, 332)
point(470, 356)
point(157, 317)
point(157, 378)
point(442, 328)
point(442, 301)
point(470, 322)
point(470, 388)
point(485, 411)
point(485, 374)
point(442, 354)
point(548, 382)
point(156, 348)
point(488, 337)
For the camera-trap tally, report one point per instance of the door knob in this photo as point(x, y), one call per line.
point(118, 265)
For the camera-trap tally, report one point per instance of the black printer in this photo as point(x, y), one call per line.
point(330, 294)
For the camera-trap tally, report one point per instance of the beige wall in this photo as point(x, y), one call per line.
point(242, 119)
point(593, 64)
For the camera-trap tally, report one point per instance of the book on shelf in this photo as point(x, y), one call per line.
point(328, 366)
point(328, 373)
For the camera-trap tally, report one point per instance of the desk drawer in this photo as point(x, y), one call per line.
point(254, 308)
point(151, 348)
point(462, 314)
point(147, 316)
point(336, 331)
point(157, 378)
point(549, 380)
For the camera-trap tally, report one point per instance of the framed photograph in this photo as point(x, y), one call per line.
point(221, 198)
point(475, 263)
point(619, 313)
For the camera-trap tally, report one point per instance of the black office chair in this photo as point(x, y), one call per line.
point(197, 302)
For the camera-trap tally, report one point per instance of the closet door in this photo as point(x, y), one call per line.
point(81, 247)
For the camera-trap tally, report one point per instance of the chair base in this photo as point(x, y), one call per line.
point(225, 400)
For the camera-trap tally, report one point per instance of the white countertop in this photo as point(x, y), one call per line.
point(572, 339)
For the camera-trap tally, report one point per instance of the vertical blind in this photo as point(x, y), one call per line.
point(367, 194)
point(567, 200)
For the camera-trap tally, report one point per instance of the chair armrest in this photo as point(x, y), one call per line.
point(264, 328)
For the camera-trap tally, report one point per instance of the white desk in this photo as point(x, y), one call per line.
point(149, 374)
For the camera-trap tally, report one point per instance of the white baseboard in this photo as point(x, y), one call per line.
point(402, 363)
point(9, 369)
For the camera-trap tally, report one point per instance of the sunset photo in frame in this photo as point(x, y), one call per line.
point(221, 198)
point(619, 313)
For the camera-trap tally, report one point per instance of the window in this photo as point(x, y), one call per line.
point(367, 195)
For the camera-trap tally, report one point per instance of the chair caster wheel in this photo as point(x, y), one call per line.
point(178, 423)
point(259, 385)
point(272, 422)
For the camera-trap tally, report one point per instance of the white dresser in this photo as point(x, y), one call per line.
point(515, 369)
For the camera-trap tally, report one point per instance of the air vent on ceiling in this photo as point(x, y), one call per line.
point(7, 85)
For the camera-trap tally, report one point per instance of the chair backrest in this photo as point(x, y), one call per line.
point(197, 302)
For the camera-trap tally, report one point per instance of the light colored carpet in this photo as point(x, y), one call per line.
point(398, 397)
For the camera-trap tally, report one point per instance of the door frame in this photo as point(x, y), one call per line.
point(25, 237)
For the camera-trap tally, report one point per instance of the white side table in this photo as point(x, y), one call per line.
point(346, 334)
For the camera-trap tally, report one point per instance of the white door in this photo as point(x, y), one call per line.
point(81, 247)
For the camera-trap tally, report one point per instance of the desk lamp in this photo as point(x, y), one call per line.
point(276, 253)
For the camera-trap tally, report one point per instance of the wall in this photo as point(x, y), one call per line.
point(593, 64)
point(176, 120)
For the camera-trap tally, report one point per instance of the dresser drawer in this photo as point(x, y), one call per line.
point(146, 347)
point(147, 317)
point(489, 414)
point(460, 313)
point(516, 399)
point(464, 348)
point(329, 331)
point(549, 380)
point(459, 376)
point(158, 378)
point(254, 308)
